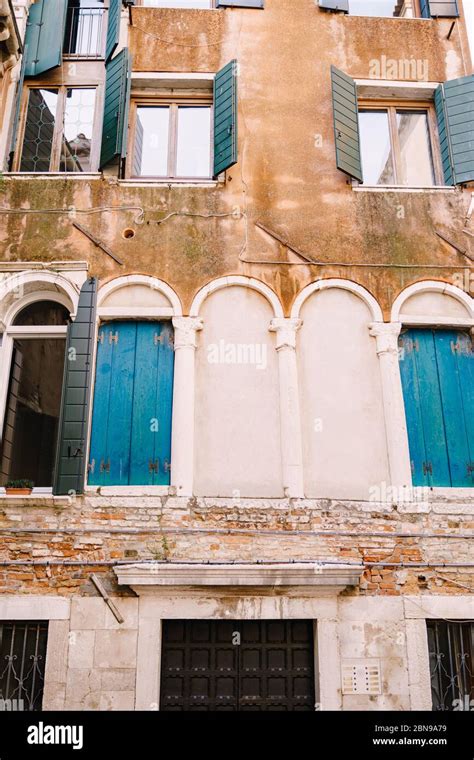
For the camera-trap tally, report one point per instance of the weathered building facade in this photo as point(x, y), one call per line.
point(236, 313)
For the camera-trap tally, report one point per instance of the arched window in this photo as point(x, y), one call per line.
point(45, 313)
point(30, 429)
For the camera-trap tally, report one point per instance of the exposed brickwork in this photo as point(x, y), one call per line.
point(112, 529)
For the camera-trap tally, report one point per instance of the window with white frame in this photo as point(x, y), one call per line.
point(397, 145)
point(172, 139)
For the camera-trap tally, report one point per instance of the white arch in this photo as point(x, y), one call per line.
point(63, 291)
point(38, 295)
point(433, 286)
point(353, 287)
point(141, 279)
point(245, 282)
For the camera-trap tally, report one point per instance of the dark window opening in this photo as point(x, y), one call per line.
point(22, 664)
point(32, 412)
point(451, 648)
point(28, 445)
point(43, 313)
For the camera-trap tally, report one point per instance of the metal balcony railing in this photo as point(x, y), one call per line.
point(84, 36)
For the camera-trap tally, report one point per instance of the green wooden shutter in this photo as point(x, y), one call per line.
point(16, 113)
point(434, 8)
point(240, 3)
point(116, 108)
point(335, 5)
point(225, 118)
point(346, 124)
point(454, 102)
point(72, 438)
point(444, 144)
point(113, 28)
point(45, 36)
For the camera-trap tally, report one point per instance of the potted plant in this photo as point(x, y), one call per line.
point(22, 487)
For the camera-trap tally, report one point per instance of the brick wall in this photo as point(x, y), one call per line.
point(105, 530)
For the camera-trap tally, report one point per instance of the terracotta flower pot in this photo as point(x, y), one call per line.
point(18, 491)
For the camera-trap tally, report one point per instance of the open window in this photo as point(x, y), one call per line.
point(398, 145)
point(58, 130)
point(30, 430)
point(85, 29)
point(172, 139)
point(183, 129)
point(404, 143)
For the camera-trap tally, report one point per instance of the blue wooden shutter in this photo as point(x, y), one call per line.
point(346, 124)
point(240, 3)
point(70, 458)
point(116, 108)
point(425, 8)
point(437, 371)
point(44, 36)
point(131, 428)
point(434, 8)
point(335, 5)
point(454, 359)
point(109, 458)
point(113, 28)
point(454, 102)
point(150, 458)
point(16, 112)
point(225, 118)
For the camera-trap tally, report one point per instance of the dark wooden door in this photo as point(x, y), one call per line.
point(237, 665)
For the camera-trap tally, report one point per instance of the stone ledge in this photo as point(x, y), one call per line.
point(40, 500)
point(142, 577)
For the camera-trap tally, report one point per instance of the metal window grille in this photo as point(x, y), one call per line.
point(84, 36)
point(22, 664)
point(451, 648)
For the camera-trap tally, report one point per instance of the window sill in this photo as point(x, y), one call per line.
point(35, 500)
point(447, 492)
point(129, 490)
point(53, 175)
point(403, 189)
point(80, 57)
point(138, 182)
point(390, 18)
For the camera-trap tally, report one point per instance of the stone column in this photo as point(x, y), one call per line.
point(386, 335)
point(182, 426)
point(290, 420)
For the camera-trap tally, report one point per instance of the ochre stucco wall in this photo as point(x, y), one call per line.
point(286, 176)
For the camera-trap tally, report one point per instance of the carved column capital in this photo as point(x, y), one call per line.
point(185, 329)
point(386, 335)
point(285, 330)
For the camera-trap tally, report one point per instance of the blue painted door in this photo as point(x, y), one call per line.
point(437, 371)
point(131, 423)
